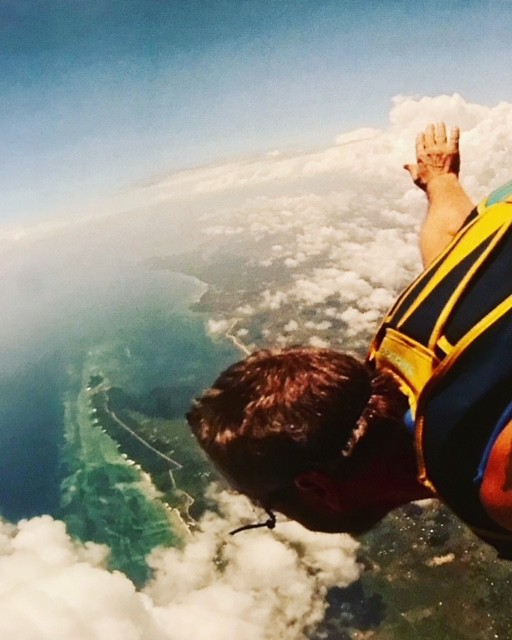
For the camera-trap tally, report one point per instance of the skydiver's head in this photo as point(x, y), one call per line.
point(304, 431)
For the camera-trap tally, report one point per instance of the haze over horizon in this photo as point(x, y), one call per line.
point(103, 95)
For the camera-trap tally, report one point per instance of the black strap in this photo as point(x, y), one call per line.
point(270, 524)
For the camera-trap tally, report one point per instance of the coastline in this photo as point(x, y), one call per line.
point(235, 340)
point(231, 337)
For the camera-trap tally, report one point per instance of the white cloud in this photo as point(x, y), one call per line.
point(245, 309)
point(251, 586)
point(273, 300)
point(271, 584)
point(52, 589)
point(358, 135)
point(218, 326)
point(345, 222)
point(366, 155)
point(320, 343)
point(319, 326)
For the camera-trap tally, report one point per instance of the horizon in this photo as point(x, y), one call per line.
point(102, 97)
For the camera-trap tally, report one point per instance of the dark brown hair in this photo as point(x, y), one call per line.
point(280, 412)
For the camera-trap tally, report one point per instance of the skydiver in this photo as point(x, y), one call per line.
point(336, 443)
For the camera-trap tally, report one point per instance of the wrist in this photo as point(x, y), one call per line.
point(440, 183)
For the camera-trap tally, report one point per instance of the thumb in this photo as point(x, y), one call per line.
point(413, 170)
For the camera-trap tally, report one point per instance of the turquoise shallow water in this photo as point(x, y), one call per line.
point(58, 456)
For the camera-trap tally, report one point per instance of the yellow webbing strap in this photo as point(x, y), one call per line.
point(459, 349)
point(464, 283)
point(461, 246)
point(482, 209)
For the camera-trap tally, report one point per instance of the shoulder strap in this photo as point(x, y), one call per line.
point(411, 358)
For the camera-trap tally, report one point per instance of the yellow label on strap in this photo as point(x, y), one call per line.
point(411, 363)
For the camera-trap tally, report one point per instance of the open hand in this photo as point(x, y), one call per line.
point(435, 155)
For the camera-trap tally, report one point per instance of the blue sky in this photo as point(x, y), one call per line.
point(97, 95)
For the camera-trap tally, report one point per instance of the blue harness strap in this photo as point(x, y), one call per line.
point(410, 423)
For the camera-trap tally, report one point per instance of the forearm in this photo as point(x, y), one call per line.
point(436, 173)
point(448, 207)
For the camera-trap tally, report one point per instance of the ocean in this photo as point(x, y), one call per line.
point(55, 456)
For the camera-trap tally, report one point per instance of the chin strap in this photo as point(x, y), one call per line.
point(270, 523)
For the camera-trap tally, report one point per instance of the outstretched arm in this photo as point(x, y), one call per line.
point(437, 173)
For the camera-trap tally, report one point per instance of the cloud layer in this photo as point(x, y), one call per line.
point(333, 234)
point(342, 233)
point(216, 588)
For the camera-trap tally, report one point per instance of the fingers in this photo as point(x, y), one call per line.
point(441, 133)
point(420, 144)
point(436, 154)
point(433, 135)
point(436, 135)
point(429, 136)
point(453, 142)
